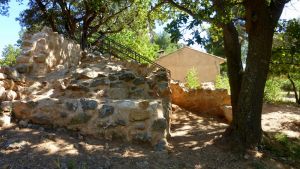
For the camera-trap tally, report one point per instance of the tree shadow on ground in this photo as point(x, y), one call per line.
point(192, 146)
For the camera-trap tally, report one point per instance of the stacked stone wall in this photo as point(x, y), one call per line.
point(47, 51)
point(92, 94)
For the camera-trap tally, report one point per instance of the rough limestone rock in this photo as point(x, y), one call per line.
point(54, 83)
point(45, 51)
point(5, 120)
point(227, 113)
point(2, 93)
point(2, 76)
point(10, 95)
point(200, 100)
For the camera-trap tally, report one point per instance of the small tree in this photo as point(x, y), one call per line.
point(9, 55)
point(192, 79)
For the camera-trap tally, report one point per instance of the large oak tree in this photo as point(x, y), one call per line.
point(259, 19)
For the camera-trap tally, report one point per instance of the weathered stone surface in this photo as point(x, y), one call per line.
point(139, 81)
point(106, 111)
point(22, 109)
point(4, 120)
point(97, 96)
point(121, 122)
point(78, 87)
point(163, 89)
point(139, 125)
point(200, 100)
point(72, 106)
point(143, 137)
point(10, 95)
point(23, 68)
point(2, 93)
point(159, 125)
point(138, 93)
point(87, 104)
point(13, 74)
point(161, 76)
point(117, 84)
point(208, 86)
point(6, 106)
point(127, 76)
point(23, 58)
point(45, 51)
point(23, 123)
point(139, 115)
point(40, 58)
point(112, 77)
point(2, 76)
point(97, 82)
point(144, 104)
point(227, 113)
point(161, 145)
point(80, 119)
point(117, 93)
point(86, 74)
point(41, 118)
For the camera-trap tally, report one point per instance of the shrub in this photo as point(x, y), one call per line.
point(272, 90)
point(192, 79)
point(222, 82)
point(9, 55)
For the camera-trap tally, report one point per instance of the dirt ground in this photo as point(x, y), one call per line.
point(191, 146)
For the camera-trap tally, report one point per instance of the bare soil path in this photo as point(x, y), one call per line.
point(191, 146)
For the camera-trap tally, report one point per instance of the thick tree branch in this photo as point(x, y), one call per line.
point(182, 8)
point(45, 13)
point(276, 7)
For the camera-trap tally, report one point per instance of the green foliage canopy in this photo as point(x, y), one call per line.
point(80, 20)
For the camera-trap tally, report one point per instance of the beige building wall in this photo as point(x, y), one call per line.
point(184, 59)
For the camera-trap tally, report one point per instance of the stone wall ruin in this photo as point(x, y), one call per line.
point(204, 100)
point(56, 84)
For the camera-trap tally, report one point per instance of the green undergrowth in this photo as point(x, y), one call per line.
point(283, 147)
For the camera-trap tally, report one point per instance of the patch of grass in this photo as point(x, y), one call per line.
point(283, 147)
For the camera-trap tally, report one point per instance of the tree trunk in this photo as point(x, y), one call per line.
point(260, 24)
point(83, 41)
point(294, 89)
point(234, 64)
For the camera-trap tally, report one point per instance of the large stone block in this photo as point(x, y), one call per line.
point(117, 93)
point(227, 113)
point(2, 93)
point(88, 104)
point(4, 120)
point(2, 76)
point(6, 106)
point(127, 76)
point(10, 95)
point(139, 115)
point(106, 111)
